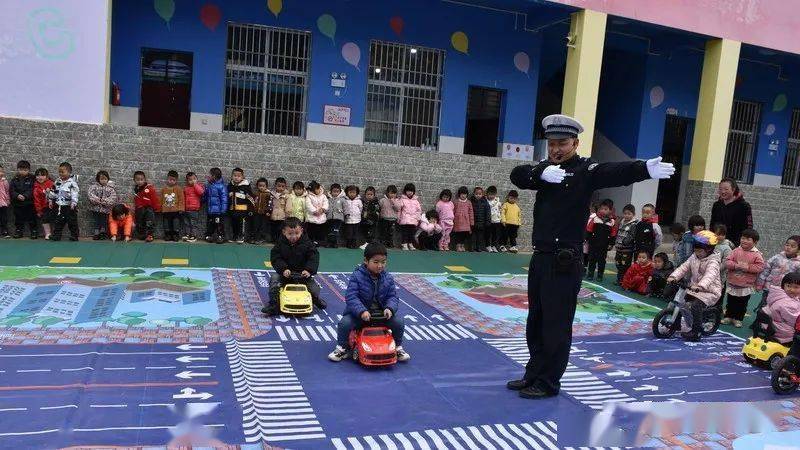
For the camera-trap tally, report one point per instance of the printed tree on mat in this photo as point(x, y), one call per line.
point(132, 318)
point(15, 319)
point(131, 272)
point(198, 321)
point(46, 321)
point(161, 275)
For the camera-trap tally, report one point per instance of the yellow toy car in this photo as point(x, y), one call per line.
point(760, 352)
point(295, 300)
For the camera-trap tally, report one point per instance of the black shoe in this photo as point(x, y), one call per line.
point(209, 239)
point(518, 385)
point(220, 240)
point(535, 393)
point(691, 336)
point(96, 237)
point(18, 235)
point(34, 235)
point(319, 303)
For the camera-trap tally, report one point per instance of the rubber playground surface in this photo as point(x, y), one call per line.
point(154, 345)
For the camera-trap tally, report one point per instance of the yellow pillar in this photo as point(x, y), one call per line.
point(714, 110)
point(582, 79)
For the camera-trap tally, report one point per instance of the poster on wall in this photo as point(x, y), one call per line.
point(336, 115)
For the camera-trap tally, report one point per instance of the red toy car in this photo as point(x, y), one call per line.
point(373, 345)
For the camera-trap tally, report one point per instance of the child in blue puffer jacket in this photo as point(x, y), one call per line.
point(370, 283)
point(216, 199)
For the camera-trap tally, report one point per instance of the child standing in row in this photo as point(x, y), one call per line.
point(390, 208)
point(624, 244)
point(482, 220)
point(410, 210)
point(684, 250)
point(65, 199)
point(372, 214)
point(21, 191)
point(724, 248)
point(102, 197)
point(262, 209)
point(463, 219)
point(600, 235)
point(495, 230)
point(216, 198)
point(192, 199)
point(353, 209)
point(647, 234)
point(146, 203)
point(279, 197)
point(511, 218)
point(241, 204)
point(778, 266)
point(335, 214)
point(4, 202)
point(296, 202)
point(444, 208)
point(744, 264)
point(316, 210)
point(41, 203)
point(173, 206)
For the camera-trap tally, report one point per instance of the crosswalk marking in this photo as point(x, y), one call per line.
point(520, 436)
point(274, 406)
point(436, 332)
point(580, 384)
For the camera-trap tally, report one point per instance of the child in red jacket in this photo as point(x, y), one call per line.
point(146, 203)
point(193, 197)
point(638, 275)
point(40, 202)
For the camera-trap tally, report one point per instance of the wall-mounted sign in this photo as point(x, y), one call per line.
point(336, 115)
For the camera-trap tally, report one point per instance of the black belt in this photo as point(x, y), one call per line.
point(554, 247)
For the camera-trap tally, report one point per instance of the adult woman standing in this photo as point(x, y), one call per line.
point(731, 210)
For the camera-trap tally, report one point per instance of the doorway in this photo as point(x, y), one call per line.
point(166, 89)
point(484, 108)
point(676, 132)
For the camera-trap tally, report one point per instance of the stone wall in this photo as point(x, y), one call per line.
point(775, 210)
point(121, 150)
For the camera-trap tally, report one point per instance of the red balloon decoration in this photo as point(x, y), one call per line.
point(210, 15)
point(396, 23)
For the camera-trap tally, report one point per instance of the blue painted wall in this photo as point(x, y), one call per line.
point(493, 41)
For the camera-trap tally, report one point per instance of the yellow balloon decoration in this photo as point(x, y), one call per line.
point(460, 41)
point(275, 6)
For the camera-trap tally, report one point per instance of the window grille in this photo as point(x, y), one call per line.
point(742, 139)
point(791, 165)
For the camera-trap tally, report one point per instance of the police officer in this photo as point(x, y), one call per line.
point(564, 183)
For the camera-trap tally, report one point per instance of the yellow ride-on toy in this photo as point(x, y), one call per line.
point(761, 349)
point(295, 299)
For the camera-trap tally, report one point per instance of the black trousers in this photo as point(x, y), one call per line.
point(407, 232)
point(172, 224)
point(65, 216)
point(276, 228)
point(510, 235)
point(369, 229)
point(692, 312)
point(386, 231)
point(494, 234)
point(145, 220)
point(239, 225)
point(623, 260)
point(24, 214)
point(350, 234)
point(460, 237)
point(656, 286)
point(3, 219)
point(259, 230)
point(317, 231)
point(552, 298)
point(215, 225)
point(597, 258)
point(737, 306)
point(429, 241)
point(334, 228)
point(478, 239)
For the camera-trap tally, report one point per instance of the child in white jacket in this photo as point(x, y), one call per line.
point(316, 207)
point(353, 208)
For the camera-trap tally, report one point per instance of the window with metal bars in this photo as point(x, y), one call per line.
point(742, 140)
point(791, 164)
point(266, 80)
point(403, 95)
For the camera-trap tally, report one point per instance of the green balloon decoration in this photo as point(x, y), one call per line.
point(165, 9)
point(780, 103)
point(327, 26)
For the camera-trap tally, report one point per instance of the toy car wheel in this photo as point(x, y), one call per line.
point(663, 326)
point(782, 375)
point(773, 361)
point(749, 359)
point(712, 317)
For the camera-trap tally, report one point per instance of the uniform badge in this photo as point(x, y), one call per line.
point(592, 166)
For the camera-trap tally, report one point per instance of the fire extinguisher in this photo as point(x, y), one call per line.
point(115, 94)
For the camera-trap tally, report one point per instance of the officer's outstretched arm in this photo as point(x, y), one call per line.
point(528, 176)
point(615, 174)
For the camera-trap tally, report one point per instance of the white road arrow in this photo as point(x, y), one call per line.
point(188, 359)
point(646, 387)
point(437, 317)
point(186, 347)
point(188, 375)
point(411, 318)
point(596, 359)
point(619, 373)
point(315, 317)
point(282, 319)
point(191, 393)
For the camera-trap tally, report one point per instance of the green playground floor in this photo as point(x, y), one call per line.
point(25, 252)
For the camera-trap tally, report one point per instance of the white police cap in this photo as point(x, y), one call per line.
point(559, 126)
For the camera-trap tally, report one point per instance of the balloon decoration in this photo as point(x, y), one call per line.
point(780, 103)
point(770, 130)
point(396, 23)
point(275, 6)
point(522, 62)
point(327, 26)
point(165, 9)
point(210, 15)
point(656, 96)
point(460, 42)
point(352, 54)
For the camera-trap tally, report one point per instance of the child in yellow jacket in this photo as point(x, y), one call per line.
point(511, 218)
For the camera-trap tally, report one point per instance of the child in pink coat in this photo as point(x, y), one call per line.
point(444, 207)
point(463, 220)
point(783, 306)
point(410, 210)
point(744, 264)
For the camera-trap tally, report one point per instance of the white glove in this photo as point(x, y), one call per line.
point(553, 174)
point(659, 170)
